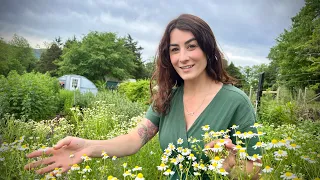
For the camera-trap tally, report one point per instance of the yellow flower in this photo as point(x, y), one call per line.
point(139, 177)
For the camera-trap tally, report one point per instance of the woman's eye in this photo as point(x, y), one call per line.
point(192, 46)
point(174, 49)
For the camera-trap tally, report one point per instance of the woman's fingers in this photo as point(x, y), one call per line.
point(40, 153)
point(35, 164)
point(47, 168)
point(227, 142)
point(63, 142)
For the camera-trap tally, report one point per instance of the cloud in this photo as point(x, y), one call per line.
point(246, 30)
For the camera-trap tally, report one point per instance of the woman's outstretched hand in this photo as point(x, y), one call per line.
point(64, 154)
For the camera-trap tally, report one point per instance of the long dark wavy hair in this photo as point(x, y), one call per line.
point(165, 76)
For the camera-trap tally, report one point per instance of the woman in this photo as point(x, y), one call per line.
point(193, 90)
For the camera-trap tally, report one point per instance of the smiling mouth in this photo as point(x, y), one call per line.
point(187, 67)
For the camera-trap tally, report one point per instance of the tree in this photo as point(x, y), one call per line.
point(296, 56)
point(98, 55)
point(50, 57)
point(139, 72)
point(150, 67)
point(235, 73)
point(16, 55)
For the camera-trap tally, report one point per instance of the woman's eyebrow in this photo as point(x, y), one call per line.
point(187, 42)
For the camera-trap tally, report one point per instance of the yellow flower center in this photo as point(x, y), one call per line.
point(274, 141)
point(288, 174)
point(140, 175)
point(267, 167)
point(214, 164)
point(217, 158)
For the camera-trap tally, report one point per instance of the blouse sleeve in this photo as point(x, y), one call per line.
point(153, 116)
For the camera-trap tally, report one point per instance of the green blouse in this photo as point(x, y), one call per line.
point(230, 106)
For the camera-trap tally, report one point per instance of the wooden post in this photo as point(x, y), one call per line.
point(260, 89)
point(305, 95)
point(278, 93)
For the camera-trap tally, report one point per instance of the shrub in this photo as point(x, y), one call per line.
point(119, 105)
point(136, 91)
point(278, 112)
point(32, 95)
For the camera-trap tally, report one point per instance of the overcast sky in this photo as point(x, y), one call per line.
point(244, 29)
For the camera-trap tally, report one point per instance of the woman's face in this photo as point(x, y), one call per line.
point(186, 55)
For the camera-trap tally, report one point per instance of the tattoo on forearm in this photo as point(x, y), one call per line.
point(147, 131)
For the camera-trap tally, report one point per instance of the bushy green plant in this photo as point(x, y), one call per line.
point(65, 101)
point(136, 91)
point(278, 112)
point(69, 99)
point(32, 95)
point(119, 105)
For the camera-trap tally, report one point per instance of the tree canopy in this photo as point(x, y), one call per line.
point(97, 55)
point(16, 55)
point(296, 56)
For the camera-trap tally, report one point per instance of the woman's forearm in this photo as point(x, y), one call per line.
point(120, 146)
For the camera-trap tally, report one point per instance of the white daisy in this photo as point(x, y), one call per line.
point(280, 153)
point(179, 141)
point(206, 127)
point(256, 125)
point(75, 167)
point(254, 157)
point(139, 177)
point(214, 166)
point(168, 172)
point(137, 168)
point(267, 169)
point(127, 173)
point(186, 152)
point(191, 157)
point(223, 172)
point(234, 127)
point(288, 175)
point(162, 167)
point(87, 169)
point(217, 159)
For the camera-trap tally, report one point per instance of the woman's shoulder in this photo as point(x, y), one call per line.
point(234, 93)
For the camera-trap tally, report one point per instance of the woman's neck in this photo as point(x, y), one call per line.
point(199, 86)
